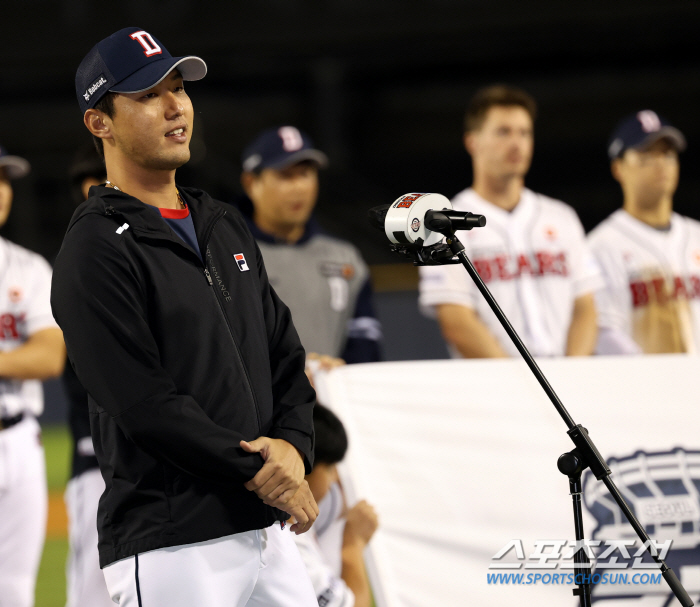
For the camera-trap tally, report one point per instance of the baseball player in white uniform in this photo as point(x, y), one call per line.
point(85, 584)
point(649, 255)
point(31, 349)
point(532, 254)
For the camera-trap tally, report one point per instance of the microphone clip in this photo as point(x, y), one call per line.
point(435, 255)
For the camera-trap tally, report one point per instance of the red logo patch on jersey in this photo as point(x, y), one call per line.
point(240, 260)
point(550, 233)
point(15, 294)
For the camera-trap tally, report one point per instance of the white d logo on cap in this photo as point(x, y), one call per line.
point(147, 42)
point(291, 138)
point(649, 120)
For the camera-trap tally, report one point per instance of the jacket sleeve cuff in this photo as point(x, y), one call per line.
point(302, 442)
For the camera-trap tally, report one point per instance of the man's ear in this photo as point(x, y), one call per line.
point(98, 123)
point(247, 180)
point(468, 140)
point(615, 169)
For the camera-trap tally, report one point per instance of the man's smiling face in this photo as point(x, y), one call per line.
point(153, 128)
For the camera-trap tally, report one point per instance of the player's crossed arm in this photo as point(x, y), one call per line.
point(42, 357)
point(280, 482)
point(462, 327)
point(583, 330)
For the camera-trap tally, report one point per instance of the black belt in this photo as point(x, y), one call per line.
point(8, 422)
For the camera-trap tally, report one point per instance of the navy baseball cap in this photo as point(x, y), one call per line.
point(15, 167)
point(281, 148)
point(641, 130)
point(129, 61)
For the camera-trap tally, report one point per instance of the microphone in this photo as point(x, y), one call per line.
point(421, 219)
point(439, 221)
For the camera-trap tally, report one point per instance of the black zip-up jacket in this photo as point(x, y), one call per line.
point(181, 360)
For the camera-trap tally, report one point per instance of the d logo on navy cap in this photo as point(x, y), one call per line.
point(641, 130)
point(129, 61)
point(280, 148)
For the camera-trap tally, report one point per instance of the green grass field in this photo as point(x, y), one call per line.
point(51, 583)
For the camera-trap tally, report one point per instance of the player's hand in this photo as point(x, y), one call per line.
point(320, 362)
point(360, 525)
point(303, 508)
point(282, 473)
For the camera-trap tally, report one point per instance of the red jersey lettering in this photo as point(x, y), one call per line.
point(524, 265)
point(8, 327)
point(501, 263)
point(679, 289)
point(640, 294)
point(483, 267)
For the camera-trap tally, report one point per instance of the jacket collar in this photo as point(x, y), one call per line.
point(143, 221)
point(141, 218)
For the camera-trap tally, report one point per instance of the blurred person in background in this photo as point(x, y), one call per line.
point(649, 255)
point(31, 350)
point(532, 253)
point(85, 582)
point(349, 588)
point(322, 279)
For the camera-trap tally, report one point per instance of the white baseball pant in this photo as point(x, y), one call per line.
point(23, 508)
point(85, 582)
point(260, 568)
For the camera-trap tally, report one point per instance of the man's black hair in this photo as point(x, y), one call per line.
point(331, 440)
point(106, 105)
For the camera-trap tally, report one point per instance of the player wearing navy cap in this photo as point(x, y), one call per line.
point(324, 280)
point(201, 414)
point(650, 256)
point(31, 349)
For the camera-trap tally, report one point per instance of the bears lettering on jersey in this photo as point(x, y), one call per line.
point(507, 267)
point(656, 290)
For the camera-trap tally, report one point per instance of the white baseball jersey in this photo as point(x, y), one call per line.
point(25, 308)
point(652, 283)
point(330, 589)
point(535, 261)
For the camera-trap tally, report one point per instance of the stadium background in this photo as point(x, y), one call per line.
point(381, 85)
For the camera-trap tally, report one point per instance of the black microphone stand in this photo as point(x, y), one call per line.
point(585, 454)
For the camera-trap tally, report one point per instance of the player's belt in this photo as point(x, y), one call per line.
point(8, 422)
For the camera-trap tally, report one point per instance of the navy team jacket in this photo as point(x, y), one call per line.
point(181, 360)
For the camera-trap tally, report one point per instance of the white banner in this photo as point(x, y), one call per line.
point(459, 459)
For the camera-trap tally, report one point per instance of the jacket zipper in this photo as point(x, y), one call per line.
point(235, 346)
point(207, 274)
